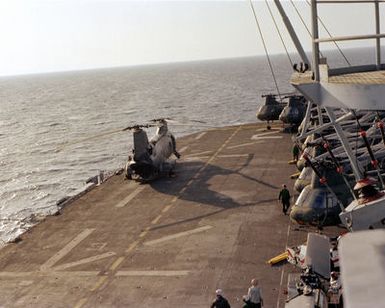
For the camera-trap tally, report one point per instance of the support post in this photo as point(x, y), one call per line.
point(345, 143)
point(315, 36)
point(292, 33)
point(378, 40)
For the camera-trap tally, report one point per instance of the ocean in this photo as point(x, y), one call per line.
point(50, 124)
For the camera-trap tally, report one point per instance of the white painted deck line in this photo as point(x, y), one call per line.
point(199, 158)
point(19, 274)
point(183, 149)
point(256, 137)
point(199, 153)
point(84, 261)
point(131, 196)
point(200, 135)
point(233, 155)
point(177, 235)
point(267, 133)
point(153, 273)
point(266, 136)
point(49, 273)
point(264, 129)
point(243, 145)
point(65, 250)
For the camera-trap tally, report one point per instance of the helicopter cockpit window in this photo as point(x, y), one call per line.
point(303, 196)
point(320, 200)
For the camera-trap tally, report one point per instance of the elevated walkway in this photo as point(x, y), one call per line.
point(364, 90)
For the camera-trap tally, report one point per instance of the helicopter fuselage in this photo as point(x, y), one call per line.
point(151, 159)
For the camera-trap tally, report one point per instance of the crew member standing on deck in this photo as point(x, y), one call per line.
point(220, 301)
point(296, 151)
point(253, 299)
point(284, 196)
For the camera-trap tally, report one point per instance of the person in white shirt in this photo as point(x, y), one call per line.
point(253, 299)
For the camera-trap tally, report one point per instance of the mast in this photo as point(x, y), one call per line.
point(292, 33)
point(315, 44)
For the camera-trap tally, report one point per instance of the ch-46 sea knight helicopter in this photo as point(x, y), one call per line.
point(325, 194)
point(289, 112)
point(151, 159)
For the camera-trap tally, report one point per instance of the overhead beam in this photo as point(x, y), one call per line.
point(292, 33)
point(349, 1)
point(349, 38)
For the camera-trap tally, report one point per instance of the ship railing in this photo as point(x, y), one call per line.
point(317, 40)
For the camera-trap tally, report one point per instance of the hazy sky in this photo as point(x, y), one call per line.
point(57, 35)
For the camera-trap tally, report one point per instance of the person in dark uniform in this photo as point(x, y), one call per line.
point(220, 301)
point(176, 153)
point(296, 151)
point(284, 197)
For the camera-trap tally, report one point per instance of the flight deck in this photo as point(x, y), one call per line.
point(171, 242)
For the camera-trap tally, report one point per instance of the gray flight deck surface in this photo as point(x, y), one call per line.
point(169, 243)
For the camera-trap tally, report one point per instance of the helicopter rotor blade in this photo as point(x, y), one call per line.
point(93, 137)
point(196, 123)
point(184, 120)
point(138, 126)
point(103, 134)
point(179, 120)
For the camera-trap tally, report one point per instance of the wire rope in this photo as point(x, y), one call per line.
point(265, 48)
point(327, 31)
point(304, 23)
point(279, 32)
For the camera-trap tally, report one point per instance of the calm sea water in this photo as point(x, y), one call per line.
point(42, 118)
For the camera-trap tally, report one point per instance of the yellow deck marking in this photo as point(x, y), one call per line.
point(166, 208)
point(177, 235)
point(200, 135)
point(153, 273)
point(144, 233)
point(81, 302)
point(99, 283)
point(84, 261)
point(132, 246)
point(131, 196)
point(216, 153)
point(117, 262)
point(183, 190)
point(65, 250)
point(156, 219)
point(189, 182)
point(183, 149)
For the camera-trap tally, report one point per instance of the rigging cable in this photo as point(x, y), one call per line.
point(266, 52)
point(279, 33)
point(304, 23)
point(327, 31)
